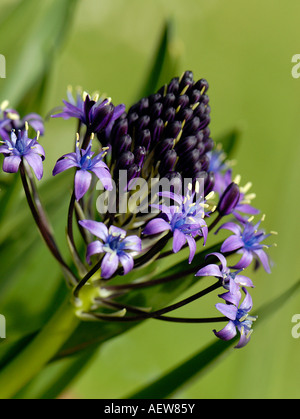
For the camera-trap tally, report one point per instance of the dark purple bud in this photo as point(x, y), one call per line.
point(173, 86)
point(195, 96)
point(154, 98)
point(206, 133)
point(142, 122)
point(185, 114)
point(168, 162)
point(172, 130)
point(132, 118)
point(126, 160)
point(143, 105)
point(169, 100)
point(123, 144)
point(209, 145)
point(182, 101)
point(156, 110)
point(229, 199)
point(144, 138)
point(202, 85)
point(101, 117)
point(209, 183)
point(186, 144)
point(164, 146)
point(175, 179)
point(169, 115)
point(192, 126)
point(204, 99)
point(157, 130)
point(204, 160)
point(133, 172)
point(139, 155)
point(200, 110)
point(188, 159)
point(119, 129)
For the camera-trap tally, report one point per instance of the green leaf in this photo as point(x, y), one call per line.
point(47, 24)
point(194, 367)
point(165, 62)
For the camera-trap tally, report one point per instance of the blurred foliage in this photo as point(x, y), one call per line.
point(111, 47)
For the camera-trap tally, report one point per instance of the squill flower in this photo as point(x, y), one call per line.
point(85, 163)
point(10, 120)
point(19, 147)
point(247, 240)
point(114, 244)
point(95, 113)
point(239, 319)
point(184, 220)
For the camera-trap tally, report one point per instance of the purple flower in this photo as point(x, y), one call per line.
point(19, 146)
point(231, 280)
point(184, 220)
point(114, 244)
point(85, 163)
point(239, 319)
point(11, 120)
point(95, 114)
point(247, 241)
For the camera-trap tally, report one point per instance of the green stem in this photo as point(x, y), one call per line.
point(39, 352)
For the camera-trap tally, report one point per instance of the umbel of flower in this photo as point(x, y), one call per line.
point(95, 113)
point(117, 248)
point(85, 163)
point(19, 147)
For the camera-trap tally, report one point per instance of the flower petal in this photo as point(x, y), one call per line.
point(210, 270)
point(83, 180)
point(133, 243)
point(11, 164)
point(192, 246)
point(232, 243)
point(158, 225)
point(245, 260)
point(229, 310)
point(263, 257)
point(235, 228)
point(93, 249)
point(62, 165)
point(179, 240)
point(227, 333)
point(104, 176)
point(96, 228)
point(109, 265)
point(127, 262)
point(36, 163)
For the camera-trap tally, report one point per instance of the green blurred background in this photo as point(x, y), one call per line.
point(244, 49)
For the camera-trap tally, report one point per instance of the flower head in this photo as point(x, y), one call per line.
point(85, 163)
point(19, 146)
point(95, 113)
point(114, 244)
point(239, 319)
point(185, 220)
point(247, 240)
point(10, 120)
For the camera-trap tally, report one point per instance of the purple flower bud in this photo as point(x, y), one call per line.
point(229, 199)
